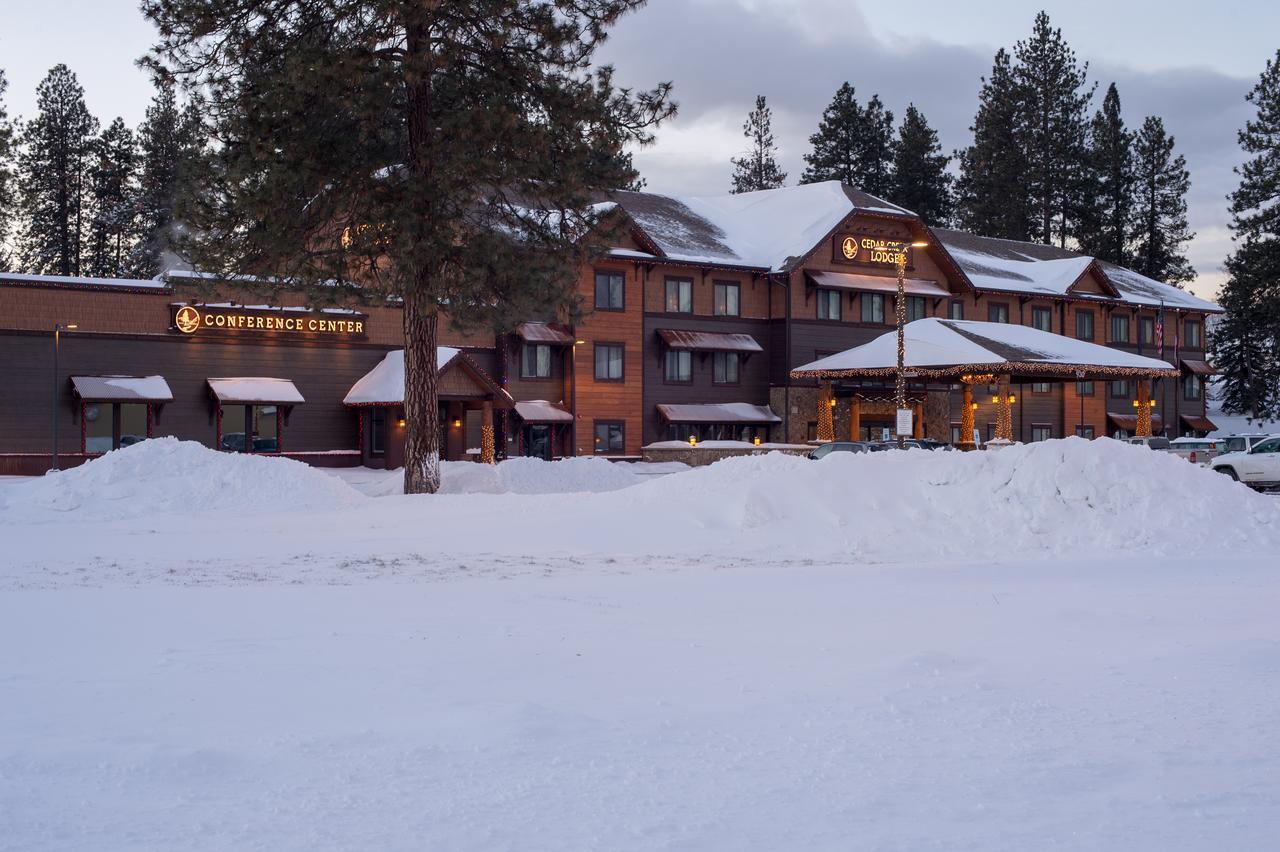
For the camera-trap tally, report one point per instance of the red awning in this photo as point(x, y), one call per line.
point(1129, 422)
point(709, 341)
point(544, 332)
point(542, 411)
point(722, 412)
point(1198, 423)
point(1200, 368)
point(877, 283)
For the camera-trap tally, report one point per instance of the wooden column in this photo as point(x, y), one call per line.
point(487, 455)
point(1144, 408)
point(826, 431)
point(855, 419)
point(1004, 414)
point(917, 420)
point(966, 418)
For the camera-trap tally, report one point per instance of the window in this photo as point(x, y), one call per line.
point(536, 361)
point(1194, 339)
point(955, 433)
point(679, 366)
point(1084, 325)
point(955, 310)
point(1120, 389)
point(1192, 387)
point(1085, 432)
point(249, 429)
point(679, 295)
point(112, 425)
point(1119, 328)
point(1041, 432)
point(829, 304)
point(608, 362)
point(724, 368)
point(1147, 331)
point(1041, 387)
point(997, 312)
point(610, 291)
point(872, 307)
point(726, 299)
point(916, 308)
point(609, 437)
point(1084, 388)
point(377, 429)
point(1042, 318)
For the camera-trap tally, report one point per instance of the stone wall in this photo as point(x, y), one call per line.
point(699, 456)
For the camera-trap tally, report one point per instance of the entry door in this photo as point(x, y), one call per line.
point(537, 441)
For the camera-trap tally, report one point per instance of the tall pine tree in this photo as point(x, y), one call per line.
point(1246, 342)
point(449, 155)
point(1053, 97)
point(169, 140)
point(1159, 214)
point(920, 179)
point(1103, 220)
point(853, 144)
point(113, 199)
point(8, 190)
point(758, 169)
point(990, 196)
point(53, 171)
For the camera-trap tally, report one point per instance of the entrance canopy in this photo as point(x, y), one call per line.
point(950, 349)
point(877, 283)
point(460, 378)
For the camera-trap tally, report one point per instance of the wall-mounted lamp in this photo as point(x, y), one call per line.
point(457, 423)
point(402, 422)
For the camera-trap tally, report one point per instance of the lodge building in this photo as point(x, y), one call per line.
point(695, 319)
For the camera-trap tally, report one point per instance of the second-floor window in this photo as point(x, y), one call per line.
point(679, 366)
point(872, 307)
point(1147, 331)
point(829, 304)
point(610, 291)
point(535, 362)
point(1195, 340)
point(956, 309)
point(916, 308)
point(1084, 388)
point(1192, 387)
point(1042, 318)
point(724, 368)
point(997, 313)
point(726, 299)
point(1119, 328)
point(679, 295)
point(1120, 389)
point(1084, 325)
point(1041, 387)
point(609, 362)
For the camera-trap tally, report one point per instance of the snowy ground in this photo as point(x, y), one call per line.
point(1015, 650)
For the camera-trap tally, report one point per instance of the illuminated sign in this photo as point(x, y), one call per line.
point(873, 251)
point(190, 319)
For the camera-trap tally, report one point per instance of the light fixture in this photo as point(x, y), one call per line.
point(401, 422)
point(457, 423)
point(579, 342)
point(994, 399)
point(71, 326)
point(1151, 403)
point(693, 440)
point(1013, 398)
point(973, 406)
point(831, 402)
point(1135, 403)
point(757, 440)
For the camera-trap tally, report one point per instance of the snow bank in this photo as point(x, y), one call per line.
point(167, 476)
point(520, 476)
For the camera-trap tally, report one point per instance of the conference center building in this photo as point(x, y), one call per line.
point(696, 316)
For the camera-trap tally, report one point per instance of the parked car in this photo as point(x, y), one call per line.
point(825, 450)
point(1153, 442)
point(1195, 450)
point(916, 444)
point(1258, 468)
point(1241, 443)
point(233, 442)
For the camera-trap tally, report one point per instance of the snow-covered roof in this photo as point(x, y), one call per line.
point(721, 412)
point(542, 411)
point(82, 281)
point(384, 384)
point(543, 332)
point(709, 341)
point(122, 388)
point(764, 230)
point(879, 283)
point(255, 389)
point(935, 344)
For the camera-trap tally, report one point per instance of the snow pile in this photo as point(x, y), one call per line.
point(168, 476)
point(514, 476)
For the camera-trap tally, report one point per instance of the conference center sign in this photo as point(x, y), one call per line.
point(219, 319)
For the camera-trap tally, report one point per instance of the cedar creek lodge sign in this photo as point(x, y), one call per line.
point(194, 319)
point(873, 251)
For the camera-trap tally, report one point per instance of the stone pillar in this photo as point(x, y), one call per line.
point(855, 418)
point(486, 433)
point(1004, 414)
point(1144, 408)
point(917, 420)
point(966, 418)
point(826, 402)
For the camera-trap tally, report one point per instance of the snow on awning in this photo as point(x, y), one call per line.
point(723, 412)
point(542, 411)
point(708, 341)
point(1200, 368)
point(542, 332)
point(122, 388)
point(384, 384)
point(1198, 423)
point(877, 283)
point(255, 389)
point(1129, 422)
point(941, 348)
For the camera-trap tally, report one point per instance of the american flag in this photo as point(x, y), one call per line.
point(1160, 330)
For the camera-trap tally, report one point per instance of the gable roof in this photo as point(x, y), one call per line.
point(384, 384)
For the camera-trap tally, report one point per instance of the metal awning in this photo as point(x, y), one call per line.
point(1199, 423)
point(723, 412)
point(255, 390)
point(542, 411)
point(1129, 422)
point(122, 388)
point(708, 341)
point(544, 332)
point(877, 283)
point(1200, 368)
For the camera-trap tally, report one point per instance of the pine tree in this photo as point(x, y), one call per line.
point(53, 176)
point(8, 197)
point(448, 155)
point(875, 153)
point(1103, 218)
point(112, 193)
point(920, 179)
point(759, 168)
point(990, 196)
point(1051, 127)
point(1246, 342)
point(168, 140)
point(853, 144)
point(1159, 215)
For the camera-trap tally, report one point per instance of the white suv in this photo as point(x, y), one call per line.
point(1257, 468)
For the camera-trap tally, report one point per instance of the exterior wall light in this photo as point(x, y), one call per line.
point(757, 440)
point(402, 422)
point(693, 440)
point(457, 424)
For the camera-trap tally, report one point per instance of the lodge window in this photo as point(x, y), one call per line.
point(1147, 331)
point(609, 437)
point(955, 310)
point(872, 307)
point(1042, 318)
point(724, 368)
point(1192, 387)
point(679, 295)
point(828, 304)
point(1041, 432)
point(1120, 389)
point(1084, 388)
point(112, 425)
point(727, 295)
point(377, 430)
point(1085, 432)
point(1194, 339)
point(997, 312)
point(955, 428)
point(1119, 328)
point(610, 291)
point(609, 362)
point(249, 429)
point(536, 361)
point(916, 308)
point(679, 366)
point(1084, 325)
point(1041, 387)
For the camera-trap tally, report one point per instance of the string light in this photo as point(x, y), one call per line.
point(487, 445)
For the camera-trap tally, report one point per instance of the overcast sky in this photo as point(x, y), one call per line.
point(1189, 63)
